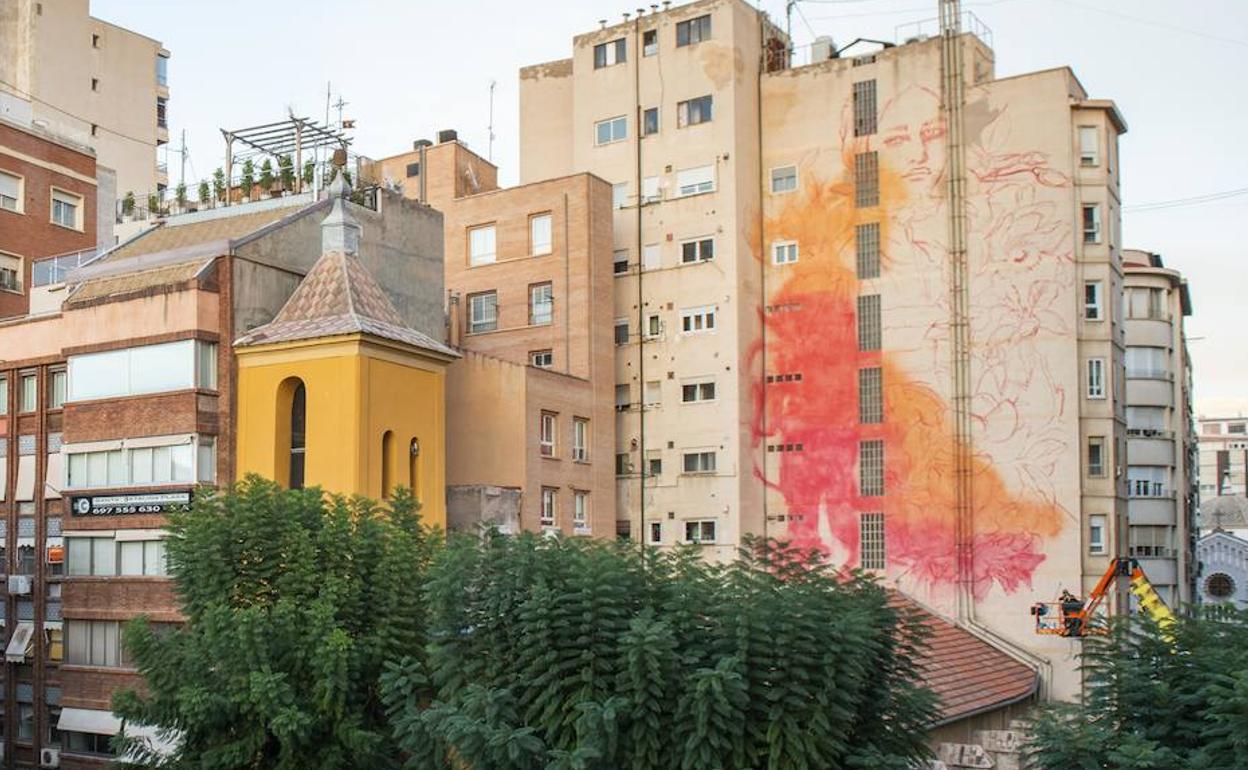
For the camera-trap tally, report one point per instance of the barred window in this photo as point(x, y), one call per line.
point(870, 395)
point(869, 322)
point(867, 245)
point(866, 179)
point(864, 108)
point(871, 468)
point(871, 541)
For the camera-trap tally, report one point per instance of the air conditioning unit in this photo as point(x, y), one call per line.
point(19, 585)
point(49, 757)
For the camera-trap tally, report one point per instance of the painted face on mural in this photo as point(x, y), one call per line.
point(912, 134)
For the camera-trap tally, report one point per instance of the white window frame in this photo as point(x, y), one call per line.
point(696, 30)
point(654, 532)
point(1101, 471)
point(783, 188)
point(483, 324)
point(652, 393)
point(616, 262)
point(619, 195)
point(615, 330)
point(1094, 309)
point(482, 245)
point(651, 189)
point(28, 395)
point(548, 430)
point(58, 388)
point(701, 527)
point(1091, 235)
point(653, 47)
point(580, 512)
point(160, 457)
point(698, 320)
point(696, 180)
point(706, 462)
point(550, 507)
point(541, 239)
point(685, 113)
point(1098, 524)
point(4, 402)
point(658, 121)
point(13, 262)
point(542, 359)
point(699, 392)
point(78, 202)
point(613, 52)
point(1095, 372)
point(651, 257)
point(784, 253)
point(580, 439)
point(654, 326)
point(18, 205)
point(1089, 146)
point(617, 130)
point(703, 250)
point(541, 304)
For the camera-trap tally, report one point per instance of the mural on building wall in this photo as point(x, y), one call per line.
point(1023, 294)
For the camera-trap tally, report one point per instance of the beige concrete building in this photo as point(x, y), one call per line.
point(96, 83)
point(858, 305)
point(1161, 441)
point(529, 285)
point(1223, 459)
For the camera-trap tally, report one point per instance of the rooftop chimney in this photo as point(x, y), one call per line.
point(416, 145)
point(447, 135)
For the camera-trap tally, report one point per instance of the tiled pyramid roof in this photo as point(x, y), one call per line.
point(339, 296)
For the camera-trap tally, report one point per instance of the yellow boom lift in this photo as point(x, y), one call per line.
point(1072, 616)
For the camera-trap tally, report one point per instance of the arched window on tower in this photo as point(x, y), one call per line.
point(298, 435)
point(387, 462)
point(413, 468)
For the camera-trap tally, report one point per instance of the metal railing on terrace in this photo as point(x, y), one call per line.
point(50, 270)
point(826, 48)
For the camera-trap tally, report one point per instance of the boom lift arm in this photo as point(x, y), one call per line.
point(1070, 616)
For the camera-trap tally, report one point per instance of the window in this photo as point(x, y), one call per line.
point(546, 441)
point(651, 257)
point(1147, 362)
point(611, 130)
point(619, 195)
point(623, 398)
point(654, 466)
point(1146, 420)
point(116, 556)
point(1220, 586)
point(866, 179)
point(298, 435)
point(481, 245)
point(1096, 378)
point(1092, 223)
point(539, 235)
point(148, 463)
point(29, 394)
point(869, 333)
point(867, 246)
point(95, 42)
point(162, 112)
point(650, 190)
point(864, 108)
point(649, 42)
point(1147, 303)
point(619, 261)
point(700, 250)
point(1089, 146)
point(206, 473)
point(621, 331)
point(622, 466)
point(1096, 533)
point(654, 326)
point(66, 209)
point(88, 743)
point(580, 439)
point(693, 31)
point(656, 533)
point(784, 179)
point(413, 169)
point(1237, 428)
point(696, 392)
point(147, 369)
point(10, 192)
point(784, 253)
point(701, 532)
point(650, 121)
point(10, 273)
point(95, 84)
point(1092, 301)
point(694, 111)
point(871, 468)
point(580, 511)
point(870, 395)
point(610, 53)
point(692, 181)
point(4, 395)
point(482, 312)
point(1148, 481)
point(1151, 542)
point(542, 359)
point(653, 393)
point(94, 643)
point(549, 496)
point(541, 304)
point(695, 320)
point(871, 540)
point(699, 462)
point(1096, 456)
point(56, 389)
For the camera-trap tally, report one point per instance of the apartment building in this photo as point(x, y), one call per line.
point(99, 84)
point(528, 274)
point(1223, 451)
point(859, 305)
point(48, 203)
point(1161, 441)
point(126, 398)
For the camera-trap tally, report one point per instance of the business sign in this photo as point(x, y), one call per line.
point(116, 505)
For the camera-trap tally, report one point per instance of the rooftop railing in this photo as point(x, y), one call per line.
point(50, 270)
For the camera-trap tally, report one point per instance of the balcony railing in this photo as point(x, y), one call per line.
point(50, 270)
point(1141, 488)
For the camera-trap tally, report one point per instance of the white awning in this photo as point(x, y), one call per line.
point(88, 533)
point(89, 721)
point(25, 541)
point(130, 535)
point(150, 441)
point(25, 478)
point(91, 446)
point(20, 643)
point(54, 476)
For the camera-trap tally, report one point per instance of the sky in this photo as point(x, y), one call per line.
point(407, 68)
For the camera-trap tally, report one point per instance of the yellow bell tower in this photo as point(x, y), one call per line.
point(337, 391)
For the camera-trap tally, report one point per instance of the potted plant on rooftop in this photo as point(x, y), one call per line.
point(127, 207)
point(218, 186)
point(249, 179)
point(266, 178)
point(286, 173)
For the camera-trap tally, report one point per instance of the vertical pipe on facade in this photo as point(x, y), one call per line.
point(641, 337)
point(9, 718)
point(38, 594)
point(567, 291)
point(762, 258)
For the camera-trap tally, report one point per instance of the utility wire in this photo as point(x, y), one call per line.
point(63, 111)
point(1153, 23)
point(1195, 200)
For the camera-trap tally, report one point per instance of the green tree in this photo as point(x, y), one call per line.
point(205, 192)
point(127, 204)
point(286, 172)
point(153, 204)
point(266, 176)
point(249, 177)
point(309, 172)
point(293, 602)
point(1166, 700)
point(179, 194)
point(560, 654)
point(218, 184)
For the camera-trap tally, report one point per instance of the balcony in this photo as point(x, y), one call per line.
point(1150, 451)
point(1150, 392)
point(1155, 511)
point(1160, 570)
point(1149, 332)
